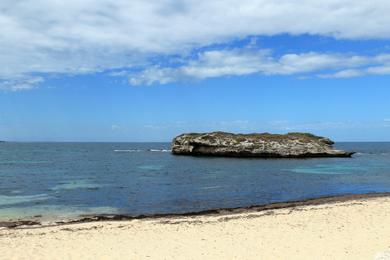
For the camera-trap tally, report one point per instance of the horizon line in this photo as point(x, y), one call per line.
point(43, 141)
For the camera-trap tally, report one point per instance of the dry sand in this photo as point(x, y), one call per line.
point(356, 229)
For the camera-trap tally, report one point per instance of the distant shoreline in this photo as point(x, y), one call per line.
point(211, 212)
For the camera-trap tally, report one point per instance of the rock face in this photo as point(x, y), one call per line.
point(291, 145)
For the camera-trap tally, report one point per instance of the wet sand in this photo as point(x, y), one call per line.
point(349, 227)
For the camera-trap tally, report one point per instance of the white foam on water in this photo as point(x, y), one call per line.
point(160, 150)
point(52, 212)
point(150, 167)
point(328, 169)
point(76, 184)
point(211, 188)
point(140, 150)
point(12, 200)
point(16, 192)
point(128, 151)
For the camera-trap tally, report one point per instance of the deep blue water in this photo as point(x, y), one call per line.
point(62, 180)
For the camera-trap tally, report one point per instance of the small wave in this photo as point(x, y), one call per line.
point(373, 153)
point(11, 200)
point(128, 151)
point(150, 167)
point(160, 150)
point(139, 150)
point(76, 184)
point(210, 187)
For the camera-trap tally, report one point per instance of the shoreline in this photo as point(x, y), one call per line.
point(325, 200)
point(343, 227)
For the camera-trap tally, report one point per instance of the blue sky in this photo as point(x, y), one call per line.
point(146, 72)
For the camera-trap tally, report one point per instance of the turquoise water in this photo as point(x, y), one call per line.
point(66, 180)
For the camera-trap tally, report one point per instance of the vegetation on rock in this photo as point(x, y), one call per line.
point(256, 145)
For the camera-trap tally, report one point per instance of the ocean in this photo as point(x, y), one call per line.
point(53, 181)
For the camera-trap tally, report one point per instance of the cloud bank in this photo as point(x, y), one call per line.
point(41, 37)
point(238, 62)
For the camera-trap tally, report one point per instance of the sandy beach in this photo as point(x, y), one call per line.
point(352, 229)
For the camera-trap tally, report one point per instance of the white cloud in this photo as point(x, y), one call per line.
point(379, 70)
point(207, 65)
point(245, 61)
point(278, 126)
point(20, 83)
point(73, 36)
point(289, 126)
point(377, 65)
point(348, 73)
point(202, 126)
point(116, 127)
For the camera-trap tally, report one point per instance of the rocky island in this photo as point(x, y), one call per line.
point(261, 145)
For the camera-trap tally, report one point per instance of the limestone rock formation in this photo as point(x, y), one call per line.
point(265, 145)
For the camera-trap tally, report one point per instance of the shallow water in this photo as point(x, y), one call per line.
point(59, 180)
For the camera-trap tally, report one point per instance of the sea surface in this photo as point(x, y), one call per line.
point(53, 181)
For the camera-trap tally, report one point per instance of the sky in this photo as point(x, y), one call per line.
point(135, 71)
